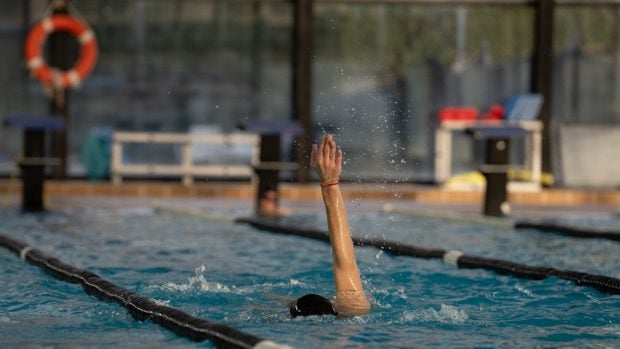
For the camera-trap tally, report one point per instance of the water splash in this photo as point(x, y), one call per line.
point(448, 314)
point(524, 290)
point(198, 282)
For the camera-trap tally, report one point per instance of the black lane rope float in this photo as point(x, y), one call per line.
point(547, 227)
point(569, 231)
point(602, 283)
point(139, 307)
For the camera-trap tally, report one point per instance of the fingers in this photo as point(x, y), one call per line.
point(328, 148)
point(339, 157)
point(326, 151)
point(332, 148)
point(325, 147)
point(326, 159)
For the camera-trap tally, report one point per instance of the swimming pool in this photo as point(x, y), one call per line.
point(236, 275)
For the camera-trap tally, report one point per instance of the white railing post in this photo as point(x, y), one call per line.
point(117, 160)
point(187, 162)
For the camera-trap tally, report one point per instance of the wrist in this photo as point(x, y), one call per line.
point(329, 184)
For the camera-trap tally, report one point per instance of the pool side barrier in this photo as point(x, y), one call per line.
point(547, 227)
point(139, 307)
point(602, 283)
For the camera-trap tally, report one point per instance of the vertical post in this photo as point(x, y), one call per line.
point(187, 162)
point(443, 154)
point(257, 62)
point(26, 9)
point(302, 82)
point(495, 196)
point(615, 68)
point(268, 178)
point(542, 67)
point(117, 159)
point(60, 56)
point(26, 6)
point(33, 174)
point(535, 150)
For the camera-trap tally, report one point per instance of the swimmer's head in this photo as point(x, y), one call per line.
point(312, 304)
point(270, 195)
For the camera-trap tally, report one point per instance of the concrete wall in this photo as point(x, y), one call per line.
point(588, 155)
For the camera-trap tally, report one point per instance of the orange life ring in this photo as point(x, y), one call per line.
point(85, 62)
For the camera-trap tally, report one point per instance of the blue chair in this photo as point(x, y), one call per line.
point(524, 107)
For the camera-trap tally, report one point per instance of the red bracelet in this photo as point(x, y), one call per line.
point(325, 185)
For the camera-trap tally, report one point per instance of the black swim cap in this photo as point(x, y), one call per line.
point(312, 304)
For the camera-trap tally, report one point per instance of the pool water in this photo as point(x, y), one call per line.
point(245, 278)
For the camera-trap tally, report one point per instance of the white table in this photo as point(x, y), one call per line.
point(443, 145)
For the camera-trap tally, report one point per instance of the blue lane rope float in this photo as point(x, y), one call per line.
point(602, 283)
point(139, 307)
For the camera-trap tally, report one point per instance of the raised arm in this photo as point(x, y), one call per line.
point(350, 300)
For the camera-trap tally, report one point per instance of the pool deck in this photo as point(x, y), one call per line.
point(306, 197)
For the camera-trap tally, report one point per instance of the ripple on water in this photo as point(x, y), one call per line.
point(246, 279)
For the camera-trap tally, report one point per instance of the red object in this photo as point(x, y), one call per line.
point(85, 62)
point(496, 112)
point(458, 114)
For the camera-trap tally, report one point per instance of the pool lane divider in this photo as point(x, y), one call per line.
point(507, 222)
point(576, 232)
point(602, 283)
point(139, 307)
point(503, 222)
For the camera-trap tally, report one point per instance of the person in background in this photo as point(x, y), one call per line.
point(268, 205)
point(350, 299)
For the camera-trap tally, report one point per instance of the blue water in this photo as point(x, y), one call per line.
point(244, 278)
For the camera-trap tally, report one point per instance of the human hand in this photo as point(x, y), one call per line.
point(326, 159)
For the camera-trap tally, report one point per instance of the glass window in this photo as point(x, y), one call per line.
point(587, 64)
point(163, 65)
point(382, 72)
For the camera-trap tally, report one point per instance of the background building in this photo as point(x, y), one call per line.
point(380, 72)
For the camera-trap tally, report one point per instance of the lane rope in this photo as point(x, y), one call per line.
point(23, 252)
point(561, 229)
point(510, 223)
point(452, 257)
point(602, 283)
point(139, 307)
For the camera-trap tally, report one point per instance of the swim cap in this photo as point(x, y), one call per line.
point(312, 304)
